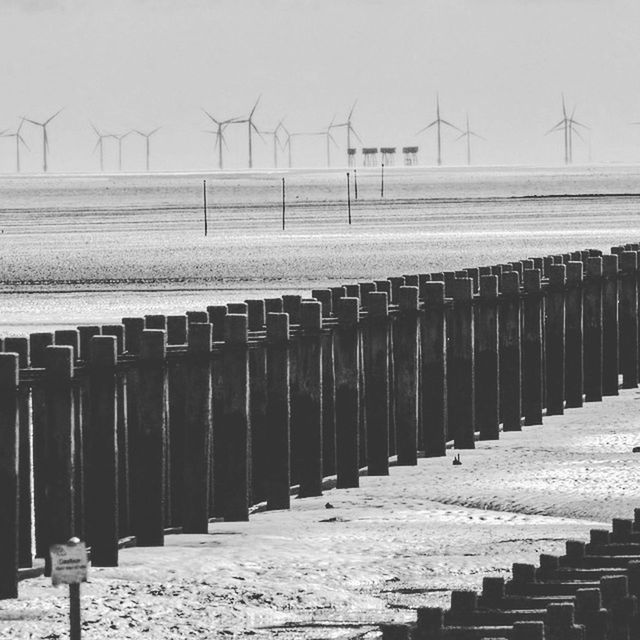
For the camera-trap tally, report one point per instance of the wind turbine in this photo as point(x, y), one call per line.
point(349, 126)
point(438, 122)
point(147, 136)
point(568, 126)
point(252, 127)
point(100, 144)
point(329, 140)
point(467, 133)
point(276, 140)
point(221, 125)
point(45, 139)
point(19, 140)
point(120, 137)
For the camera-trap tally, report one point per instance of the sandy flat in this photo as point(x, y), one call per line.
point(392, 544)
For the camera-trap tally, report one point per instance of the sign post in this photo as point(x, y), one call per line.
point(69, 566)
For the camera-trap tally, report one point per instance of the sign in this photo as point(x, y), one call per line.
point(69, 562)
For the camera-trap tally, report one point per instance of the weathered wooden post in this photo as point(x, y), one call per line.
point(256, 315)
point(554, 335)
point(71, 338)
point(532, 348)
point(310, 399)
point(511, 352)
point(102, 453)
point(593, 330)
point(460, 383)
point(610, 333)
point(377, 382)
point(433, 347)
point(217, 315)
point(347, 364)
point(85, 334)
point(574, 361)
point(328, 388)
point(487, 365)
point(278, 412)
point(628, 310)
point(9, 482)
point(236, 418)
point(38, 342)
point(406, 375)
point(177, 330)
point(60, 499)
point(196, 460)
point(148, 441)
point(21, 347)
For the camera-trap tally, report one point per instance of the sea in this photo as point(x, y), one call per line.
point(91, 249)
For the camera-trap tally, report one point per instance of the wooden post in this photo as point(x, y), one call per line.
point(487, 365)
point(235, 307)
point(593, 330)
point(610, 334)
point(395, 283)
point(124, 486)
point(278, 412)
point(71, 338)
point(406, 376)
point(60, 500)
point(197, 431)
point(532, 348)
point(291, 305)
point(328, 388)
point(177, 331)
point(460, 383)
point(38, 342)
point(86, 333)
point(201, 316)
point(347, 364)
point(336, 294)
point(9, 481)
point(574, 361)
point(155, 321)
point(102, 450)
point(555, 338)
point(628, 310)
point(21, 347)
point(236, 418)
point(510, 352)
point(349, 198)
point(309, 399)
point(433, 348)
point(377, 383)
point(148, 442)
point(256, 316)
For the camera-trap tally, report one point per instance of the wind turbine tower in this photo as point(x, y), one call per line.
point(252, 127)
point(467, 133)
point(438, 122)
point(276, 140)
point(330, 139)
point(221, 125)
point(19, 140)
point(45, 138)
point(568, 125)
point(147, 137)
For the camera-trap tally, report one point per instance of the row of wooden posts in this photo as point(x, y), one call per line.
point(120, 433)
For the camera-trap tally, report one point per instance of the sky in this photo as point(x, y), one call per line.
point(141, 64)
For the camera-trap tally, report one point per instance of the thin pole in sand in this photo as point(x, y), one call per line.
point(283, 204)
point(204, 196)
point(349, 196)
point(355, 183)
point(382, 180)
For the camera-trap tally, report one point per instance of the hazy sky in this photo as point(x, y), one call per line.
point(146, 63)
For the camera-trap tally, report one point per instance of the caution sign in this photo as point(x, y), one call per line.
point(69, 562)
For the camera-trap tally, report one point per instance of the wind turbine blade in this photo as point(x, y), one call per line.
point(577, 133)
point(21, 139)
point(462, 135)
point(555, 127)
point(97, 145)
point(210, 116)
point(477, 135)
point(358, 138)
point(332, 121)
point(564, 108)
point(255, 106)
point(352, 109)
point(39, 124)
point(453, 126)
point(584, 126)
point(56, 114)
point(154, 131)
point(427, 127)
point(332, 139)
point(95, 129)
